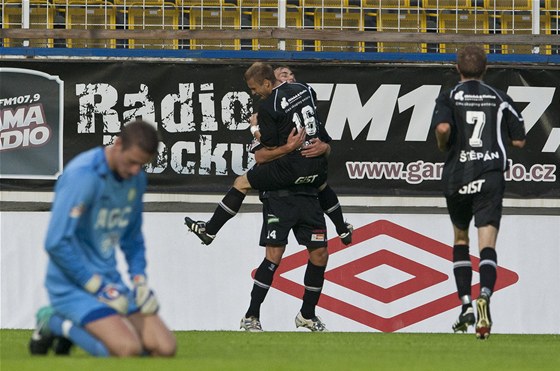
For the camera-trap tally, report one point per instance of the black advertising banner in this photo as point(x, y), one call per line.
point(31, 124)
point(378, 116)
point(380, 123)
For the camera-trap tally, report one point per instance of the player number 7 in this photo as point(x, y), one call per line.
point(478, 119)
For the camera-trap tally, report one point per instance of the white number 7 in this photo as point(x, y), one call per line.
point(478, 119)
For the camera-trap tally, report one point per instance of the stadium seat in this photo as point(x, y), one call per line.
point(386, 4)
point(219, 19)
point(553, 5)
point(130, 2)
point(122, 6)
point(88, 14)
point(199, 3)
point(512, 5)
point(152, 16)
point(185, 6)
point(461, 23)
point(248, 6)
point(262, 18)
point(258, 3)
point(41, 16)
point(553, 28)
point(447, 4)
point(338, 20)
point(401, 22)
point(522, 24)
point(125, 4)
point(325, 4)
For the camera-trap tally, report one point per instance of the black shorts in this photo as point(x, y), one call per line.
point(287, 171)
point(302, 214)
point(481, 198)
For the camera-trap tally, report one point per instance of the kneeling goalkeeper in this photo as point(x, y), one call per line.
point(98, 208)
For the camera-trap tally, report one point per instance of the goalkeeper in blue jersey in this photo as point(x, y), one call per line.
point(97, 208)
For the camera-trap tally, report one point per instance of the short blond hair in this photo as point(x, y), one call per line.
point(259, 72)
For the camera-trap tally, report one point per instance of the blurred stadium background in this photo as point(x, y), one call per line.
point(357, 18)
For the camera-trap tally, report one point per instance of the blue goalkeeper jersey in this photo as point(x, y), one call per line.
point(93, 213)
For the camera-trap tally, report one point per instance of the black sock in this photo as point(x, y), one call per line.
point(262, 282)
point(487, 270)
point(330, 205)
point(227, 209)
point(462, 269)
point(313, 281)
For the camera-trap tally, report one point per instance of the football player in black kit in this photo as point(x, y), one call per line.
point(282, 166)
point(288, 177)
point(327, 196)
point(472, 122)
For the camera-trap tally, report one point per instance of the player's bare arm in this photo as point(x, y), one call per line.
point(295, 140)
point(443, 131)
point(518, 143)
point(255, 126)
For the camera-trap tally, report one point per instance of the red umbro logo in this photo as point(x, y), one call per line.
point(417, 276)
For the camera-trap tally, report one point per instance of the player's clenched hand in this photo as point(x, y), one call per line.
point(144, 296)
point(107, 293)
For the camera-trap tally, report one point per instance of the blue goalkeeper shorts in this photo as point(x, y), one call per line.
point(81, 307)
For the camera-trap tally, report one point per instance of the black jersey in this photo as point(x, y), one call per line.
point(290, 105)
point(481, 117)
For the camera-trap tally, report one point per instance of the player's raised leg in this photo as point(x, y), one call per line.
point(227, 208)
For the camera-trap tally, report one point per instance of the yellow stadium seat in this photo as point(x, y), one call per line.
point(401, 22)
point(338, 20)
point(248, 6)
point(553, 5)
point(554, 23)
point(153, 16)
point(128, 3)
point(199, 3)
point(461, 23)
point(447, 4)
point(219, 19)
point(123, 5)
point(513, 5)
point(386, 4)
point(262, 18)
point(88, 15)
point(335, 4)
point(186, 6)
point(41, 16)
point(522, 24)
point(257, 3)
point(554, 30)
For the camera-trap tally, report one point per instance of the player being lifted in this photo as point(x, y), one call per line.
point(285, 161)
point(471, 122)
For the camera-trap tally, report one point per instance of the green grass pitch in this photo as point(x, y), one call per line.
point(227, 350)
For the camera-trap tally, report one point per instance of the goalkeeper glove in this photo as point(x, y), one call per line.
point(144, 296)
point(107, 293)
